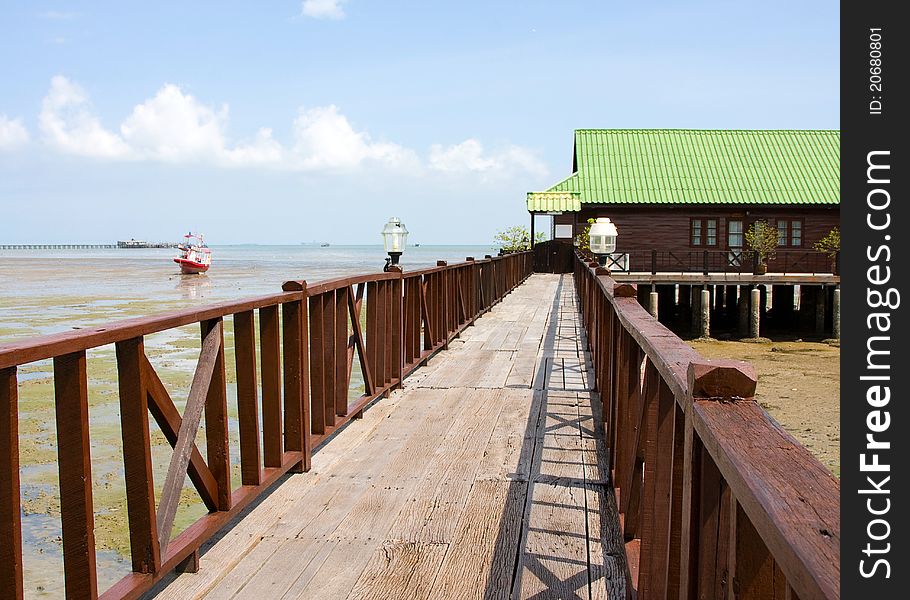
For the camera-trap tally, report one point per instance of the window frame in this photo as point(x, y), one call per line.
point(741, 233)
point(703, 229)
point(789, 231)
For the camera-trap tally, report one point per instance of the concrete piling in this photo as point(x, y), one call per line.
point(652, 303)
point(705, 321)
point(755, 313)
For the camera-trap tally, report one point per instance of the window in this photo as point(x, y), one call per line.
point(703, 232)
point(796, 233)
point(735, 233)
point(563, 231)
point(711, 232)
point(790, 233)
point(781, 232)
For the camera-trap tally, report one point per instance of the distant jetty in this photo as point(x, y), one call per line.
point(54, 246)
point(120, 244)
point(142, 244)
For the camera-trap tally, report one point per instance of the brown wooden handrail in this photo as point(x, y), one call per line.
point(308, 339)
point(716, 500)
point(48, 346)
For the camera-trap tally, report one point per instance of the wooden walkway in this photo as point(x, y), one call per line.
point(485, 477)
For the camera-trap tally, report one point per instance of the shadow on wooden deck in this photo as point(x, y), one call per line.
point(570, 544)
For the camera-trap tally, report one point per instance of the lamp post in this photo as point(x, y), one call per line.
point(394, 238)
point(602, 239)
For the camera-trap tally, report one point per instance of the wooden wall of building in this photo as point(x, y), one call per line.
point(667, 227)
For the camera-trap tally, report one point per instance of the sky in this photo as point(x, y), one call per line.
point(289, 121)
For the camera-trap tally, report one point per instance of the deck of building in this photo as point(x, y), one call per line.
point(485, 477)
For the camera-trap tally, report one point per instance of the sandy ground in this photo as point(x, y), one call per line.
point(798, 384)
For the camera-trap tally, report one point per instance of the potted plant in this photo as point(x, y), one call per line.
point(762, 240)
point(583, 240)
point(830, 245)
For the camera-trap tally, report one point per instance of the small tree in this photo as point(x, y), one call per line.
point(516, 239)
point(830, 244)
point(583, 239)
point(762, 239)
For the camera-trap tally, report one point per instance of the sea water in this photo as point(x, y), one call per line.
point(45, 291)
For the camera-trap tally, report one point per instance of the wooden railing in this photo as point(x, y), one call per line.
point(716, 500)
point(690, 260)
point(309, 336)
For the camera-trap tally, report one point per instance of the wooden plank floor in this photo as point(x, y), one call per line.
point(484, 477)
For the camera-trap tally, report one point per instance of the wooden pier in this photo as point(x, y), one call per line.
point(57, 246)
point(485, 475)
point(122, 245)
point(517, 436)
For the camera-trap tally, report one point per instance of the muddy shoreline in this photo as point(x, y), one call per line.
point(799, 386)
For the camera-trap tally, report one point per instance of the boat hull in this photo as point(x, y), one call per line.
point(191, 267)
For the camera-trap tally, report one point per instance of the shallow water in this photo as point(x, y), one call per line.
point(51, 291)
point(43, 291)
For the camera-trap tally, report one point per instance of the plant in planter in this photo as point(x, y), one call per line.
point(583, 239)
point(830, 245)
point(762, 240)
point(516, 239)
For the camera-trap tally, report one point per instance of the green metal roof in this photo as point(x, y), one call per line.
point(691, 166)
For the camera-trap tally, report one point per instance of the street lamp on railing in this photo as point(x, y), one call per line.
point(394, 238)
point(602, 239)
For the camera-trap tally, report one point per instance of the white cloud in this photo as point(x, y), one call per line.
point(12, 132)
point(324, 9)
point(173, 126)
point(470, 155)
point(68, 124)
point(324, 138)
point(263, 150)
point(466, 156)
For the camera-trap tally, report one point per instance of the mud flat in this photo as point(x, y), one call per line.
point(798, 384)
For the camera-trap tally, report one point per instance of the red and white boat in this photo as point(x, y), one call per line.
point(195, 257)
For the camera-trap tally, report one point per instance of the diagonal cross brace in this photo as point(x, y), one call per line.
point(186, 436)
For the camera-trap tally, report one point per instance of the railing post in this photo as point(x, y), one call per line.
point(318, 364)
point(137, 457)
point(75, 467)
point(341, 351)
point(10, 515)
point(708, 524)
point(297, 415)
point(397, 309)
point(704, 269)
point(445, 301)
point(653, 262)
point(473, 290)
point(270, 368)
point(218, 452)
point(247, 397)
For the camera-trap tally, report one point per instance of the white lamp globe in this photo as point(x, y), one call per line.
point(394, 235)
point(602, 236)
